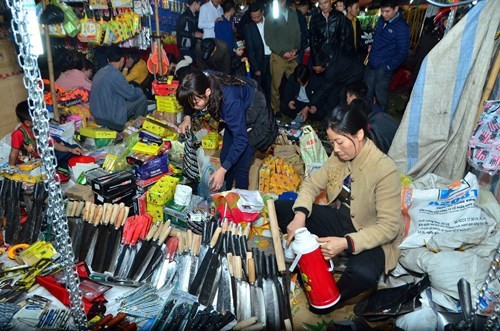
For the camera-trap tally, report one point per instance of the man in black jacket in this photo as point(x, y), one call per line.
point(258, 52)
point(186, 29)
point(327, 30)
point(213, 54)
point(354, 31)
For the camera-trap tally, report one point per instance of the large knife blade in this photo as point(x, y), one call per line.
point(270, 297)
point(199, 279)
point(168, 262)
point(212, 278)
point(225, 297)
point(154, 232)
point(243, 306)
point(257, 303)
point(157, 252)
point(184, 260)
point(195, 251)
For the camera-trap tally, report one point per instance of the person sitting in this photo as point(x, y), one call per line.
point(113, 100)
point(299, 89)
point(383, 127)
point(23, 143)
point(135, 69)
point(363, 218)
point(213, 54)
point(77, 73)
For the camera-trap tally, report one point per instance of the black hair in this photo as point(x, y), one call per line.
point(302, 74)
point(228, 5)
point(362, 105)
point(389, 3)
point(23, 111)
point(194, 83)
point(134, 54)
point(304, 3)
point(115, 53)
point(190, 2)
point(358, 89)
point(321, 59)
point(349, 3)
point(254, 7)
point(347, 120)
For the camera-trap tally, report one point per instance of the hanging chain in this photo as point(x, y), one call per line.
point(55, 214)
point(492, 323)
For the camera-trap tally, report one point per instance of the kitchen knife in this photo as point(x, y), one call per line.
point(95, 233)
point(184, 261)
point(113, 233)
point(195, 251)
point(225, 298)
point(144, 250)
point(157, 252)
point(257, 302)
point(243, 307)
point(168, 266)
point(199, 279)
point(212, 278)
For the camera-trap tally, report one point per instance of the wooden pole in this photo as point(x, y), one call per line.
point(158, 38)
point(50, 65)
point(489, 84)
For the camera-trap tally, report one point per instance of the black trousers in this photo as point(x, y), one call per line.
point(363, 270)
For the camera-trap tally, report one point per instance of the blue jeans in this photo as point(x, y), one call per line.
point(377, 82)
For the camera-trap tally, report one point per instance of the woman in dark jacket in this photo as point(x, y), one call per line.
point(226, 98)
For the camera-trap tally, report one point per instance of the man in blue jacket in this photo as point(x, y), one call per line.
point(388, 51)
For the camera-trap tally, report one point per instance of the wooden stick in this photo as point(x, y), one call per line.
point(275, 232)
point(489, 85)
point(50, 64)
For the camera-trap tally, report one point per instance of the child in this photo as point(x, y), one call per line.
point(238, 62)
point(23, 144)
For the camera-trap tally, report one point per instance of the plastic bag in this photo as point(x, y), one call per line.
point(52, 14)
point(71, 22)
point(311, 149)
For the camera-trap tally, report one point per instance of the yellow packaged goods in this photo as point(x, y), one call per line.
point(278, 176)
point(28, 166)
point(211, 141)
point(168, 104)
point(156, 211)
point(96, 132)
point(158, 127)
point(163, 191)
point(147, 148)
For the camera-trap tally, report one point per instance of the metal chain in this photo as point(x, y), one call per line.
point(40, 115)
point(492, 323)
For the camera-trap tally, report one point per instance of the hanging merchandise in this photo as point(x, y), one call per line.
point(91, 31)
point(52, 15)
point(311, 149)
point(71, 22)
point(190, 166)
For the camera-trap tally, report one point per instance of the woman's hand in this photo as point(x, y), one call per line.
point(217, 179)
point(332, 246)
point(291, 104)
point(299, 221)
point(185, 125)
point(304, 112)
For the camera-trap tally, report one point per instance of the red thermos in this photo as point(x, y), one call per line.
point(315, 270)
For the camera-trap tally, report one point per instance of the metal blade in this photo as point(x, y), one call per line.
point(137, 273)
point(138, 261)
point(110, 247)
point(193, 268)
point(225, 300)
point(121, 257)
point(209, 285)
point(185, 269)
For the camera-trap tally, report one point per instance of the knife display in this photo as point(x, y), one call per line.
point(154, 231)
point(225, 295)
point(212, 277)
point(157, 252)
point(184, 260)
point(257, 302)
point(168, 267)
point(199, 279)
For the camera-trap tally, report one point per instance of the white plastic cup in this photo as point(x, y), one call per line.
point(183, 194)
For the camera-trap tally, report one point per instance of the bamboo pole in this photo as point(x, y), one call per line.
point(50, 65)
point(489, 84)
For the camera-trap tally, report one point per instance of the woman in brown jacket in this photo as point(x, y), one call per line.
point(363, 215)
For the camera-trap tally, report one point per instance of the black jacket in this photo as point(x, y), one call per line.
point(359, 49)
point(328, 34)
point(254, 47)
point(187, 25)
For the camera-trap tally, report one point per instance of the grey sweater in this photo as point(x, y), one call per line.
point(110, 92)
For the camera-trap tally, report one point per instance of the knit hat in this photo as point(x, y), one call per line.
point(239, 44)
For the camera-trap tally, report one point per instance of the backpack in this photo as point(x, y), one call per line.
point(261, 124)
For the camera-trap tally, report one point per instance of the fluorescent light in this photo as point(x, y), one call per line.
point(29, 15)
point(276, 9)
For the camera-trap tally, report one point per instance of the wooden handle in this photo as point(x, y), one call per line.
point(79, 209)
point(251, 270)
point(130, 327)
point(225, 225)
point(275, 232)
point(114, 214)
point(254, 327)
point(246, 232)
point(74, 208)
point(217, 232)
point(125, 215)
point(107, 213)
point(119, 217)
point(245, 323)
point(98, 214)
point(195, 248)
point(86, 210)
point(180, 244)
point(152, 231)
point(234, 229)
point(116, 320)
point(91, 216)
point(69, 207)
point(237, 267)
point(164, 235)
point(103, 321)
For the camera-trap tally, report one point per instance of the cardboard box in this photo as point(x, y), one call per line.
point(12, 92)
point(97, 133)
point(8, 57)
point(124, 196)
point(253, 175)
point(113, 183)
point(80, 192)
